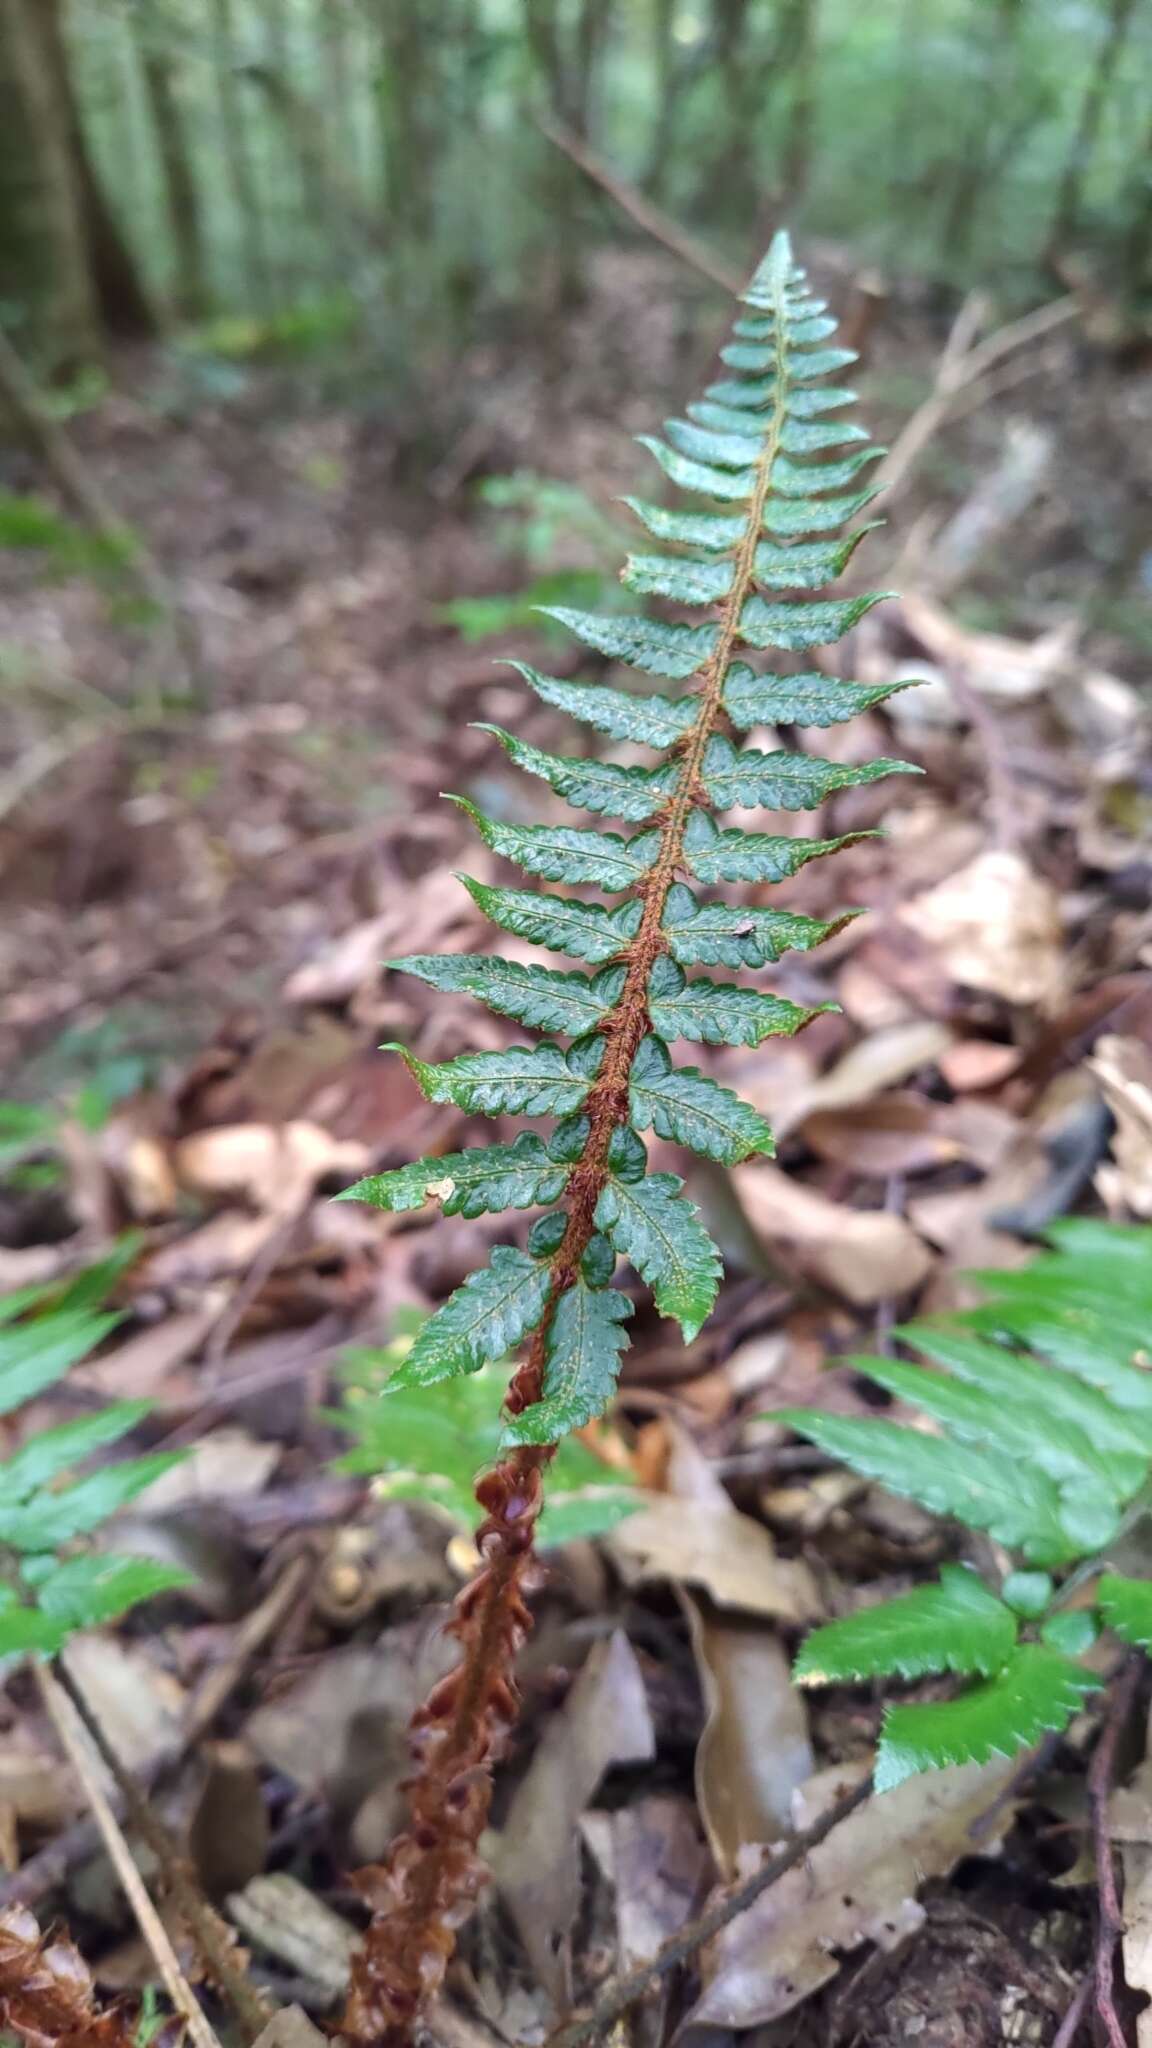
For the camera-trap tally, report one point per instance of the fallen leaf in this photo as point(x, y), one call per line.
point(858, 1885)
point(877, 1063)
point(726, 1553)
point(896, 1133)
point(867, 1255)
point(1130, 1826)
point(973, 1064)
point(754, 1750)
point(290, 2027)
point(605, 1720)
point(1123, 1067)
point(997, 927)
point(139, 1708)
point(658, 1866)
point(280, 1915)
point(222, 1465)
point(138, 1369)
point(273, 1167)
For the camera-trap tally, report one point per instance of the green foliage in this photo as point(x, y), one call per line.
point(28, 523)
point(562, 540)
point(430, 1445)
point(768, 464)
point(1051, 1455)
point(44, 1507)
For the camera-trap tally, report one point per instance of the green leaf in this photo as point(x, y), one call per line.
point(986, 1489)
point(1010, 1376)
point(955, 1626)
point(812, 699)
point(533, 995)
point(581, 1366)
point(55, 1518)
point(803, 368)
point(54, 1451)
point(494, 1308)
point(622, 714)
point(592, 785)
point(782, 781)
point(685, 1106)
point(801, 625)
point(733, 449)
point(1036, 1693)
point(735, 856)
point(24, 1629)
point(522, 1080)
point(35, 1355)
point(650, 1223)
point(732, 935)
point(734, 485)
point(713, 530)
point(1096, 1342)
point(719, 1013)
point(815, 479)
point(586, 930)
point(473, 1183)
point(791, 517)
point(974, 1415)
point(579, 1517)
point(1126, 1605)
point(86, 1591)
point(808, 565)
point(569, 853)
point(650, 644)
point(748, 394)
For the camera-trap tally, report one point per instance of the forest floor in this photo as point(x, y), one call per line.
point(196, 908)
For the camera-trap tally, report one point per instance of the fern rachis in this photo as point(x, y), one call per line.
point(749, 444)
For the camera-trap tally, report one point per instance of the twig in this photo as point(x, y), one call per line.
point(1069, 2025)
point(1110, 1922)
point(652, 219)
point(615, 1997)
point(213, 1940)
point(252, 1632)
point(78, 1748)
point(80, 488)
point(962, 362)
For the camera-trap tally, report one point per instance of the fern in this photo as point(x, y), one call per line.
point(1042, 1406)
point(51, 1585)
point(769, 445)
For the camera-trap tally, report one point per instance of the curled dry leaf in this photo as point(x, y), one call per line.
point(46, 1992)
point(859, 1885)
point(726, 1553)
point(754, 1751)
point(1123, 1067)
point(866, 1255)
point(996, 926)
point(879, 1062)
point(272, 1167)
point(604, 1721)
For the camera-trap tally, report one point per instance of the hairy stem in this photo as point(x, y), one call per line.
point(424, 1892)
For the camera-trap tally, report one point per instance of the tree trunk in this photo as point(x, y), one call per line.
point(181, 193)
point(1070, 198)
point(44, 259)
point(238, 159)
point(125, 308)
point(797, 57)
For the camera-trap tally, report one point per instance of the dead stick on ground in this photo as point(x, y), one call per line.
point(619, 1993)
point(82, 490)
point(652, 219)
point(963, 361)
point(1110, 1924)
point(78, 1747)
point(1070, 2024)
point(214, 1941)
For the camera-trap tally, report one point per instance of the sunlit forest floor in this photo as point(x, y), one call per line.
point(196, 906)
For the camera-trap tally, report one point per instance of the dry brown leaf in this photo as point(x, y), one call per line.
point(859, 1885)
point(1130, 1826)
point(604, 1721)
point(281, 1916)
point(897, 1133)
point(997, 927)
point(728, 1554)
point(867, 1255)
point(272, 1167)
point(139, 1708)
point(221, 1466)
point(1123, 1067)
point(658, 1863)
point(754, 1750)
point(138, 1369)
point(973, 1064)
point(290, 2027)
point(877, 1063)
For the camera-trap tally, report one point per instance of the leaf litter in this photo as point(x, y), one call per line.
point(989, 1071)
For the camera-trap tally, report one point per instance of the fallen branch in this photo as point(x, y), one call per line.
point(1110, 1923)
point(78, 1748)
point(652, 219)
point(615, 1997)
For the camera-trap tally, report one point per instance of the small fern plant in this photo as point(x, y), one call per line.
point(758, 446)
point(52, 1584)
point(1042, 1405)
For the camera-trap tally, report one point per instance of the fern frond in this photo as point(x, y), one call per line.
point(1050, 1454)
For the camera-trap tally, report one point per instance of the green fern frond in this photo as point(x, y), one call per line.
point(763, 446)
point(1051, 1454)
point(45, 1597)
